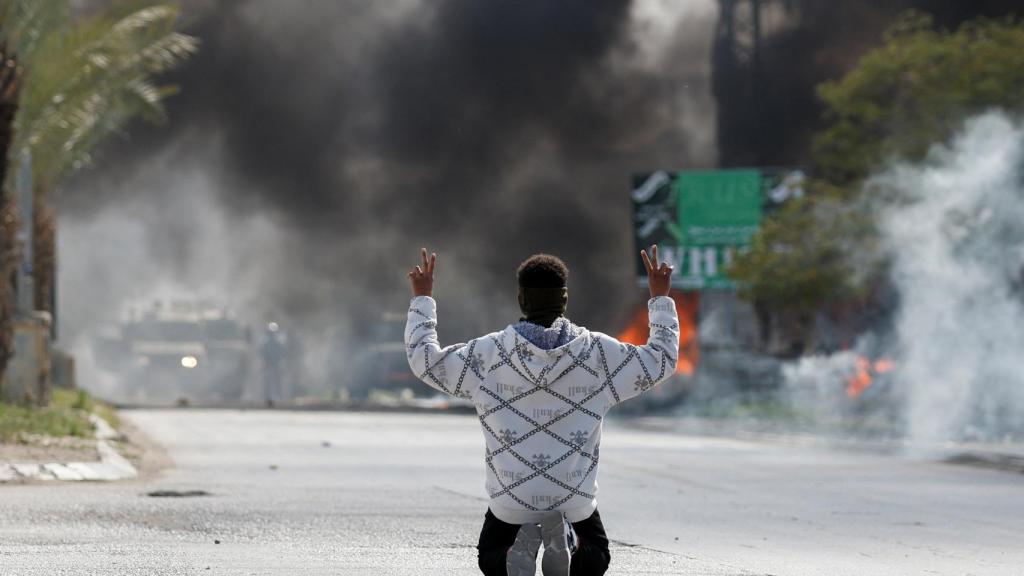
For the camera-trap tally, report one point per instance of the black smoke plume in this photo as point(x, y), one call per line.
point(316, 145)
point(326, 141)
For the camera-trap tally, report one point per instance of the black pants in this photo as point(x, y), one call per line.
point(591, 558)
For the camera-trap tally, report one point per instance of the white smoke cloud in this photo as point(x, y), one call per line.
point(953, 229)
point(172, 241)
point(958, 251)
point(815, 384)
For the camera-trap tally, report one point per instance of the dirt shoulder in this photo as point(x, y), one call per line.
point(149, 457)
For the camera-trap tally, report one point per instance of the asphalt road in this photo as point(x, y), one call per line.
point(373, 494)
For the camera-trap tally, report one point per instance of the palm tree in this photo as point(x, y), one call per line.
point(10, 89)
point(80, 81)
point(93, 79)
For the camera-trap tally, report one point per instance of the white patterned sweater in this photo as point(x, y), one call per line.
point(541, 410)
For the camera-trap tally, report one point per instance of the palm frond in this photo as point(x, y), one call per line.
point(24, 23)
point(144, 20)
point(98, 75)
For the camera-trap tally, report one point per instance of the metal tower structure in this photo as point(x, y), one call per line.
point(739, 29)
point(739, 77)
point(741, 25)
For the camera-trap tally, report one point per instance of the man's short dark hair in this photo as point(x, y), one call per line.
point(543, 271)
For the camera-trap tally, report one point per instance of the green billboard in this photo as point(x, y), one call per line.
point(701, 220)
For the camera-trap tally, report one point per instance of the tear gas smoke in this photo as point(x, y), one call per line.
point(314, 148)
point(956, 245)
point(958, 257)
point(850, 391)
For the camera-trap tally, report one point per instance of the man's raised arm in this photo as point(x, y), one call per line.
point(637, 369)
point(453, 369)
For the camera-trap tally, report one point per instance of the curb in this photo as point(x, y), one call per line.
point(112, 466)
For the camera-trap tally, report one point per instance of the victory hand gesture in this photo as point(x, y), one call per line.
point(422, 276)
point(659, 276)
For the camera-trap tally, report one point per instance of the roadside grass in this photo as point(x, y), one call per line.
point(67, 415)
point(81, 400)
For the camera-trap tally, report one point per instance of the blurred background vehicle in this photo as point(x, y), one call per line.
point(181, 352)
point(380, 368)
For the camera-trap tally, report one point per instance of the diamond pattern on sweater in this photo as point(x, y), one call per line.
point(541, 411)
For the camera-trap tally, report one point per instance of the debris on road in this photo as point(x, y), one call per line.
point(993, 460)
point(177, 493)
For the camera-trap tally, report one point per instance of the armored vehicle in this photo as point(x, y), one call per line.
point(178, 353)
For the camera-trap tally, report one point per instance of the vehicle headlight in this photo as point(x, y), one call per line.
point(189, 361)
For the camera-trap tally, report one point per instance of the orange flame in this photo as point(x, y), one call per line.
point(884, 365)
point(862, 377)
point(637, 331)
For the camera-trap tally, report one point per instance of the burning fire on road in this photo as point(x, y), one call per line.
point(866, 372)
point(637, 331)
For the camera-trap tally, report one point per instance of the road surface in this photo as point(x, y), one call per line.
point(380, 494)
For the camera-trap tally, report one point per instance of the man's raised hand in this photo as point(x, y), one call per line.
point(422, 276)
point(659, 276)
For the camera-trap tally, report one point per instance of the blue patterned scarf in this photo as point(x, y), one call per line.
point(561, 332)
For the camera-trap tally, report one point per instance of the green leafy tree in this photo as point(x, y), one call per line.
point(912, 92)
